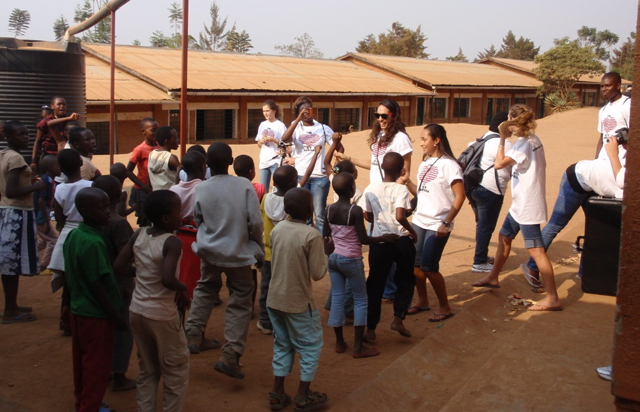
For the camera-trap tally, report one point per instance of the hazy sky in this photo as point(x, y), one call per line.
point(337, 26)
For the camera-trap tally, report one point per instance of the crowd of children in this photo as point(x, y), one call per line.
point(196, 222)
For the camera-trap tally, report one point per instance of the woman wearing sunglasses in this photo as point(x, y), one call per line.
point(387, 135)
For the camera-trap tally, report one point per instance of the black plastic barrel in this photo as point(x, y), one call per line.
point(31, 73)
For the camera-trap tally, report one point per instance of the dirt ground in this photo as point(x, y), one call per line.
point(36, 359)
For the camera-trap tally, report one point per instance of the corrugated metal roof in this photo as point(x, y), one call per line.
point(237, 72)
point(528, 66)
point(445, 73)
point(127, 87)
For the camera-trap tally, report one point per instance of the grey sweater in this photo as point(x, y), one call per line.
point(227, 213)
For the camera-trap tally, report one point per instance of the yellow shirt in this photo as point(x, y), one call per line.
point(11, 160)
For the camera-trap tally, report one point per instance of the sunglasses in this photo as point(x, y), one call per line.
point(384, 116)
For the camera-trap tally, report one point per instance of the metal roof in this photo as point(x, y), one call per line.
point(127, 87)
point(528, 66)
point(445, 73)
point(237, 73)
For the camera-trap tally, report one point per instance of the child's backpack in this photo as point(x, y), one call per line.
point(469, 160)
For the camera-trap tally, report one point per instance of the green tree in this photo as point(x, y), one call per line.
point(519, 49)
point(560, 67)
point(490, 52)
point(60, 26)
point(101, 32)
point(19, 22)
point(460, 57)
point(158, 39)
point(303, 47)
point(600, 42)
point(238, 42)
point(398, 41)
point(175, 17)
point(136, 42)
point(214, 36)
point(622, 58)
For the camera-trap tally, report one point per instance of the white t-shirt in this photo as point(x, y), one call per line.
point(382, 199)
point(305, 139)
point(269, 151)
point(435, 196)
point(528, 205)
point(488, 160)
point(184, 177)
point(66, 197)
point(611, 117)
point(597, 176)
point(187, 193)
point(400, 144)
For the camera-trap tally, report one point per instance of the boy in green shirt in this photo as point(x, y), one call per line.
point(95, 300)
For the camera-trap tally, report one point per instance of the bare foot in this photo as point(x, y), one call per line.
point(341, 347)
point(546, 305)
point(486, 282)
point(370, 336)
point(399, 327)
point(365, 352)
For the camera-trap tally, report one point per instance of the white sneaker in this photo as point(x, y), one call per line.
point(604, 372)
point(482, 267)
point(263, 329)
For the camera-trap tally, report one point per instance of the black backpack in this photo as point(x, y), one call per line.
point(469, 160)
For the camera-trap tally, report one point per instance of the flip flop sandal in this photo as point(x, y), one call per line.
point(417, 309)
point(440, 317)
point(533, 281)
point(278, 402)
point(21, 318)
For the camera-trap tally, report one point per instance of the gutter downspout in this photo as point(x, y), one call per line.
point(101, 14)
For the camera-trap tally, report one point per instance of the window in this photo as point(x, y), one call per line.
point(589, 99)
point(101, 132)
point(502, 104)
point(174, 120)
point(322, 115)
point(346, 120)
point(438, 108)
point(254, 118)
point(215, 124)
point(461, 107)
point(420, 103)
point(520, 100)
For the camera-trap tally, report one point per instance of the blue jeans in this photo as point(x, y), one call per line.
point(342, 268)
point(319, 188)
point(266, 174)
point(429, 248)
point(486, 207)
point(567, 204)
point(348, 299)
point(296, 332)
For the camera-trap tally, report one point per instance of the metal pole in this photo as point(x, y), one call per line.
point(184, 114)
point(112, 97)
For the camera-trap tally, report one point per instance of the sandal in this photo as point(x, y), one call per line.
point(313, 401)
point(277, 401)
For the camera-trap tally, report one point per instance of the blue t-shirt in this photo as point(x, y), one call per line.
point(46, 194)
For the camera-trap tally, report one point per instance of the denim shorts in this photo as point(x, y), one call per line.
point(429, 249)
point(531, 233)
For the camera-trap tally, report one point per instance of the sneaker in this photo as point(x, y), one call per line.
point(265, 331)
point(482, 267)
point(193, 343)
point(229, 364)
point(604, 372)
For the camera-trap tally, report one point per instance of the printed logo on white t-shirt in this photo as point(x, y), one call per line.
point(309, 141)
point(609, 124)
point(428, 174)
point(378, 152)
point(268, 133)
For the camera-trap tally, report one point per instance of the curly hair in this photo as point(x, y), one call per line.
point(522, 118)
point(394, 126)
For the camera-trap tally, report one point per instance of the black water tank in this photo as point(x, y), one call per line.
point(32, 72)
